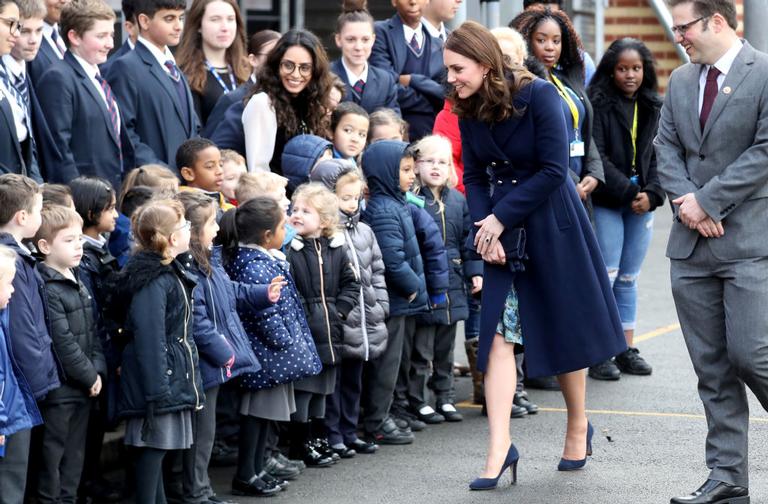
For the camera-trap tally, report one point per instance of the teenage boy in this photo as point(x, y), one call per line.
point(73, 331)
point(131, 29)
point(153, 94)
point(405, 49)
point(79, 102)
point(199, 162)
point(31, 15)
point(20, 206)
point(52, 48)
point(436, 14)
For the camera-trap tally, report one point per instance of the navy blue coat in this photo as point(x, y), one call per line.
point(453, 223)
point(48, 156)
point(218, 113)
point(75, 112)
point(432, 251)
point(423, 97)
point(380, 89)
point(567, 308)
point(18, 410)
point(229, 133)
point(219, 333)
point(299, 157)
point(44, 60)
point(121, 51)
point(32, 345)
point(390, 218)
point(155, 119)
point(279, 335)
point(14, 156)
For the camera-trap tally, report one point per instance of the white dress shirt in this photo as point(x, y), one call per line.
point(438, 33)
point(19, 116)
point(410, 32)
point(91, 71)
point(723, 64)
point(351, 77)
point(47, 30)
point(159, 55)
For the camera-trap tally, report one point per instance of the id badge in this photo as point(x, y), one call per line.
point(577, 148)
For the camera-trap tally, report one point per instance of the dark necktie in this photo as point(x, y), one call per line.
point(710, 93)
point(181, 90)
point(58, 43)
point(111, 107)
point(173, 70)
point(415, 44)
point(21, 85)
point(359, 87)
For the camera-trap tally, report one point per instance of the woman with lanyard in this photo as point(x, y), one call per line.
point(212, 53)
point(627, 105)
point(553, 41)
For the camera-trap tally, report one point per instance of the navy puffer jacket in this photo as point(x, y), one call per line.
point(299, 157)
point(390, 218)
point(219, 333)
point(279, 334)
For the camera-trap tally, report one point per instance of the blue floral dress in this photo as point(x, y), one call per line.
point(509, 323)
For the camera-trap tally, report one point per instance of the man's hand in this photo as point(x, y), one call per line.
point(689, 211)
point(641, 204)
point(405, 80)
point(710, 229)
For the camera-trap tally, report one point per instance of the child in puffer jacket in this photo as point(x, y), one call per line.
point(300, 155)
point(365, 330)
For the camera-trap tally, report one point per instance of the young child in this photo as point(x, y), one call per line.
point(385, 124)
point(160, 378)
point(66, 409)
point(300, 155)
point(349, 124)
point(271, 185)
point(155, 99)
point(436, 330)
point(20, 206)
point(279, 336)
point(329, 290)
point(365, 331)
point(57, 194)
point(370, 87)
point(405, 49)
point(18, 411)
point(219, 334)
point(233, 166)
point(199, 162)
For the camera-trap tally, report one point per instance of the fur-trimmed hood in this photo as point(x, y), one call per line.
point(336, 241)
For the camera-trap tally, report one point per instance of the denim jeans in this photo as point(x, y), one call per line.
point(624, 238)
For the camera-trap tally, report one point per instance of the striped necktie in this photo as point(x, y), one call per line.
point(415, 44)
point(21, 85)
point(173, 70)
point(20, 101)
point(359, 87)
point(60, 47)
point(111, 108)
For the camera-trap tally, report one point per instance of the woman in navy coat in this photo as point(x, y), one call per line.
point(516, 174)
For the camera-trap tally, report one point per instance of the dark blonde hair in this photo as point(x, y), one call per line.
point(154, 223)
point(17, 193)
point(384, 117)
point(154, 176)
point(493, 102)
point(81, 15)
point(7, 260)
point(252, 185)
point(31, 9)
point(198, 208)
point(54, 219)
point(232, 156)
point(57, 194)
point(319, 197)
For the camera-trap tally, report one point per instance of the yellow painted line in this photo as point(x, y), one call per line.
point(656, 332)
point(656, 414)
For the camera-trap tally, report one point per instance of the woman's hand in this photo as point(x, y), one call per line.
point(641, 203)
point(477, 284)
point(495, 254)
point(275, 288)
point(586, 186)
point(487, 236)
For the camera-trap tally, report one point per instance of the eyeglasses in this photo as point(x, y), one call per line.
point(683, 28)
point(14, 25)
point(305, 69)
point(186, 226)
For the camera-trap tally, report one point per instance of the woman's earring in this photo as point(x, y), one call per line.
point(485, 75)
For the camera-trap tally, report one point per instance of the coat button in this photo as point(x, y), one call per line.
point(493, 163)
point(169, 372)
point(506, 162)
point(702, 157)
point(514, 181)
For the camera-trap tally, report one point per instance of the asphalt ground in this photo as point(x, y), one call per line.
point(648, 447)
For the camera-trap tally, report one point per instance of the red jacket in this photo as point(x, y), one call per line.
point(447, 125)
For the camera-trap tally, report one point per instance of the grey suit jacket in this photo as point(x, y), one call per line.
point(726, 165)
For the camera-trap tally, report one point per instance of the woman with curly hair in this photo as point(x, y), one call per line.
point(627, 107)
point(212, 52)
point(553, 41)
point(290, 98)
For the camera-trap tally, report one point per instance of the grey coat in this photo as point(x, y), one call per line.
point(365, 333)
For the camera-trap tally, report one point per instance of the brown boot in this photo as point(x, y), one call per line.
point(478, 392)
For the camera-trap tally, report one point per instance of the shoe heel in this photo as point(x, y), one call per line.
point(513, 470)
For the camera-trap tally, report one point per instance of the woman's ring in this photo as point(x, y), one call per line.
point(487, 240)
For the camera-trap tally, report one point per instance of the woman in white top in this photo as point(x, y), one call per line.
point(289, 99)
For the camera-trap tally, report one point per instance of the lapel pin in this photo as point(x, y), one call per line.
point(727, 90)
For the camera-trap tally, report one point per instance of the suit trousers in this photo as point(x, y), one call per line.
point(13, 467)
point(721, 308)
point(432, 344)
point(403, 375)
point(342, 408)
point(63, 451)
point(381, 375)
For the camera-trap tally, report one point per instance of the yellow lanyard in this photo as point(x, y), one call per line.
point(634, 137)
point(568, 100)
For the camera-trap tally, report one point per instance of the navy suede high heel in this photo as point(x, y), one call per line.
point(575, 465)
point(490, 483)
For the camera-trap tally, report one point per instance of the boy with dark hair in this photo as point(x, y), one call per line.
point(131, 29)
point(199, 162)
point(73, 331)
point(20, 206)
point(79, 102)
point(155, 98)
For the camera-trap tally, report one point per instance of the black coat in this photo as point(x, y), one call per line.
point(612, 136)
point(160, 372)
point(97, 271)
point(73, 331)
point(328, 289)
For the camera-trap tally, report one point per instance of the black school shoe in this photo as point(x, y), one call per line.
point(313, 458)
point(298, 464)
point(255, 487)
point(281, 471)
point(428, 415)
point(363, 447)
point(630, 362)
point(271, 480)
point(322, 446)
point(521, 399)
point(405, 420)
point(605, 371)
point(449, 412)
point(344, 451)
point(388, 433)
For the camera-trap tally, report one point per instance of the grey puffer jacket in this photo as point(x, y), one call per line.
point(365, 333)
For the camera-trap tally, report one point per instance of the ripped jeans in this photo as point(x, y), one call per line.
point(624, 238)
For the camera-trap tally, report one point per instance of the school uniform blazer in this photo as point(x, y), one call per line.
point(425, 93)
point(81, 126)
point(219, 112)
point(154, 118)
point(380, 89)
point(121, 51)
point(48, 156)
point(45, 58)
point(14, 157)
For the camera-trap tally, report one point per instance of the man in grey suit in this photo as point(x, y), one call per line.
point(712, 153)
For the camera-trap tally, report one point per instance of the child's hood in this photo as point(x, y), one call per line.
point(381, 165)
point(299, 156)
point(329, 171)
